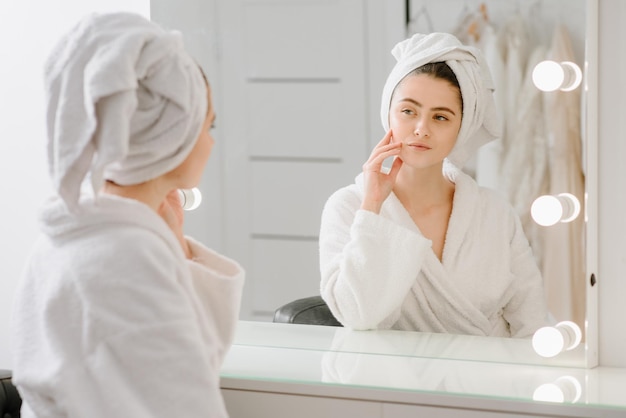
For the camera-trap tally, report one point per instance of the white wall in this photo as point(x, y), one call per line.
point(28, 29)
point(612, 183)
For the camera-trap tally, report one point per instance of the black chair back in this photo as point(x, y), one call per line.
point(311, 310)
point(10, 400)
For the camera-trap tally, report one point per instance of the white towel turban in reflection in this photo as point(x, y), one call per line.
point(480, 123)
point(125, 102)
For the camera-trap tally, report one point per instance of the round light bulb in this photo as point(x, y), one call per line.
point(548, 75)
point(574, 76)
point(563, 389)
point(549, 392)
point(572, 334)
point(190, 198)
point(571, 207)
point(551, 75)
point(546, 210)
point(550, 341)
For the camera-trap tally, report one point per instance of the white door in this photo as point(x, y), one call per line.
point(297, 87)
point(295, 132)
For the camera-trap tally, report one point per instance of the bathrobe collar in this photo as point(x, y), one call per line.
point(59, 223)
point(464, 205)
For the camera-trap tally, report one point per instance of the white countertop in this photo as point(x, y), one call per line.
point(402, 363)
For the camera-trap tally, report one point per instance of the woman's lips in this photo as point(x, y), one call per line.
point(419, 147)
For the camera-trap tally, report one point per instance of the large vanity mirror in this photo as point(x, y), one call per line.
point(297, 85)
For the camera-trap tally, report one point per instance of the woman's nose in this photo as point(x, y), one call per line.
point(421, 128)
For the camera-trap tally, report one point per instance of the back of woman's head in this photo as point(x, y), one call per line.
point(126, 102)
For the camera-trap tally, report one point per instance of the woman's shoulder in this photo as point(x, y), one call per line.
point(96, 248)
point(497, 212)
point(486, 195)
point(349, 195)
point(490, 201)
point(342, 205)
point(494, 198)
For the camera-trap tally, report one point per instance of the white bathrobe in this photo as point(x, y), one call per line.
point(378, 271)
point(142, 336)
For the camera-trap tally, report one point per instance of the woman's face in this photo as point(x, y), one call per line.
point(190, 171)
point(425, 115)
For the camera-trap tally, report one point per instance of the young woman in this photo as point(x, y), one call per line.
point(118, 313)
point(419, 245)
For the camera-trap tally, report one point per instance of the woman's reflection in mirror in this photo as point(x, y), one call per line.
point(416, 244)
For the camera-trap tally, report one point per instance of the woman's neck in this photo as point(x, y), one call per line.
point(420, 189)
point(150, 193)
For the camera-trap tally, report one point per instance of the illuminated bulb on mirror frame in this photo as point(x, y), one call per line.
point(565, 389)
point(551, 76)
point(548, 210)
point(550, 341)
point(190, 199)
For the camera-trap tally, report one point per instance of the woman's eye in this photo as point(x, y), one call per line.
point(441, 117)
point(407, 111)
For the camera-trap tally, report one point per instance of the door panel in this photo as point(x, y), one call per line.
point(295, 117)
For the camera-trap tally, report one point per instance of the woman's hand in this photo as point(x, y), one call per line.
point(379, 185)
point(171, 211)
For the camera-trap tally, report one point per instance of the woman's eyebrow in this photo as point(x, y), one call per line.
point(418, 104)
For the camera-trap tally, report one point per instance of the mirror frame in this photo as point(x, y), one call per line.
point(589, 119)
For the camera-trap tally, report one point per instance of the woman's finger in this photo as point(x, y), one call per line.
point(395, 167)
point(383, 149)
point(376, 159)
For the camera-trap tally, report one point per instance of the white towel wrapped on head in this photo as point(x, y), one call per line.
point(125, 102)
point(480, 123)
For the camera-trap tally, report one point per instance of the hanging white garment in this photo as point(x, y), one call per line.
point(524, 158)
point(513, 43)
point(470, 25)
point(525, 165)
point(563, 267)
